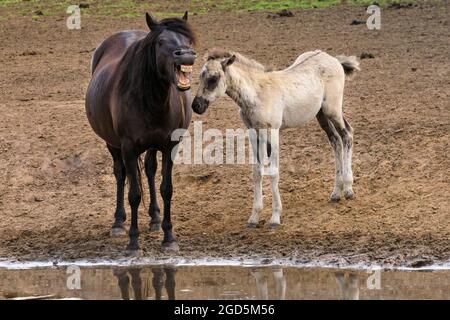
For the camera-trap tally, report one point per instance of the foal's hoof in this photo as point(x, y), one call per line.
point(274, 225)
point(133, 253)
point(118, 232)
point(335, 198)
point(170, 246)
point(349, 195)
point(154, 226)
point(252, 225)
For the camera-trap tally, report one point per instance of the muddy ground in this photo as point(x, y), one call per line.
point(57, 189)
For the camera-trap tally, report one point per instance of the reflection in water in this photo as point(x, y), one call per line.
point(123, 279)
point(348, 285)
point(158, 274)
point(158, 281)
point(222, 282)
point(261, 284)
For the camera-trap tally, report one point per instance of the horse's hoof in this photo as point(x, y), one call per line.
point(154, 226)
point(252, 225)
point(118, 232)
point(273, 225)
point(334, 199)
point(349, 195)
point(133, 253)
point(170, 246)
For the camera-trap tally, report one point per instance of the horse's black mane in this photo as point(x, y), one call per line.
point(140, 79)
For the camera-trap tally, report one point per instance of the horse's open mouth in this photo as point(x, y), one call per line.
point(183, 74)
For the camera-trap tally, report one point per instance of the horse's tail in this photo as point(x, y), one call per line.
point(141, 187)
point(350, 64)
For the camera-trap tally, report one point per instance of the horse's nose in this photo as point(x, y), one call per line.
point(184, 56)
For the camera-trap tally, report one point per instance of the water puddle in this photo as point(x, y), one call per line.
point(220, 282)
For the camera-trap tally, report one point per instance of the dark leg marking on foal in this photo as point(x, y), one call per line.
point(336, 144)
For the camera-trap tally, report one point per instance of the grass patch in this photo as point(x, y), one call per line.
point(166, 8)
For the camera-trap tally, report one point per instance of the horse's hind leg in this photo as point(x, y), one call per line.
point(130, 159)
point(336, 144)
point(120, 173)
point(346, 132)
point(151, 165)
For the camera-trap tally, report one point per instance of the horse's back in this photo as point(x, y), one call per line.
point(114, 47)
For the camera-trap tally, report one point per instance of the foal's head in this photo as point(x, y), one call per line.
point(213, 82)
point(171, 49)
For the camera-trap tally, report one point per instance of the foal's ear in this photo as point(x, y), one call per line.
point(185, 17)
point(228, 61)
point(151, 21)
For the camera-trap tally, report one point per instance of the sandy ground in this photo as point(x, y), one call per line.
point(57, 188)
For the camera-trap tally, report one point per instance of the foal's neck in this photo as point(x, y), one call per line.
point(241, 85)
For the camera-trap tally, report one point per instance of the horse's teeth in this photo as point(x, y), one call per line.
point(186, 68)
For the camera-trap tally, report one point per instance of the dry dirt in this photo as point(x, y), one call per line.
point(57, 188)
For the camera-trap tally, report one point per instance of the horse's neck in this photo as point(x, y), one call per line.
point(152, 88)
point(241, 86)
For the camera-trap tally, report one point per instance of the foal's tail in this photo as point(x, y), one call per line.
point(350, 64)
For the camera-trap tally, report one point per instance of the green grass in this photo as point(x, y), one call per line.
point(165, 8)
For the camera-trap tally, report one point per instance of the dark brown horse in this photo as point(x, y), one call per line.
point(139, 94)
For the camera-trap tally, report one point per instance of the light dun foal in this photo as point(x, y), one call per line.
point(311, 87)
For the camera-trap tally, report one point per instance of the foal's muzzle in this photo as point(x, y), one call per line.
point(199, 105)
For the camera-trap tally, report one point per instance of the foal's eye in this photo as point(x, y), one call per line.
point(212, 82)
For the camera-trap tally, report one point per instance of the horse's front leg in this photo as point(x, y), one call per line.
point(274, 175)
point(258, 168)
point(151, 165)
point(169, 242)
point(130, 158)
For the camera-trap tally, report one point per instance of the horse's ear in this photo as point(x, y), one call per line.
point(185, 17)
point(151, 21)
point(228, 61)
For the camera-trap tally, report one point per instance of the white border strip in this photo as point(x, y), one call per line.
point(19, 265)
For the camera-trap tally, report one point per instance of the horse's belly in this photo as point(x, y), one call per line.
point(300, 114)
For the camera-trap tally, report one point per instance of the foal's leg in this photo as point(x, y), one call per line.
point(120, 173)
point(169, 242)
point(336, 144)
point(130, 158)
point(151, 165)
point(258, 168)
point(274, 175)
point(346, 132)
point(280, 284)
point(261, 284)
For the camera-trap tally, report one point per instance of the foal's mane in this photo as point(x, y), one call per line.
point(140, 78)
point(218, 53)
